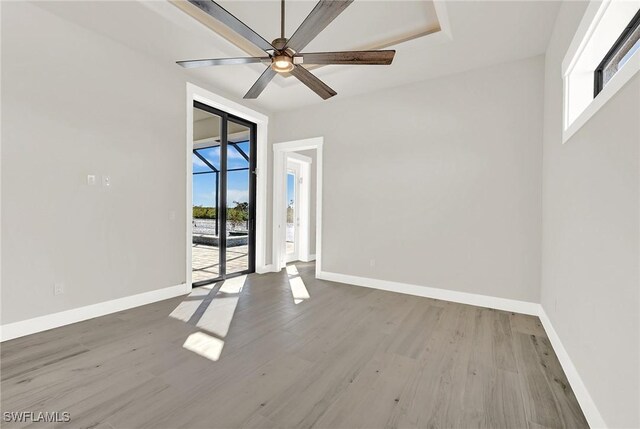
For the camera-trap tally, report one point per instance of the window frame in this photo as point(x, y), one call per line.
point(599, 28)
point(598, 74)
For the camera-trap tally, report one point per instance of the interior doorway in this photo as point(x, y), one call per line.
point(223, 195)
point(293, 217)
point(297, 202)
point(298, 207)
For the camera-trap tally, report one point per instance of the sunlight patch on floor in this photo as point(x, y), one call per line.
point(204, 345)
point(298, 288)
point(187, 308)
point(233, 285)
point(210, 308)
point(219, 314)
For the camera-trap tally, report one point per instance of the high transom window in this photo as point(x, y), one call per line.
point(619, 54)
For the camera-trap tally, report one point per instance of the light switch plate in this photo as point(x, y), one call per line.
point(58, 289)
point(91, 179)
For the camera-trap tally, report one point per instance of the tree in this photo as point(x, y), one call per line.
point(290, 212)
point(200, 212)
point(239, 213)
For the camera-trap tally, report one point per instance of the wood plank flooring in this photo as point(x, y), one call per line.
point(259, 352)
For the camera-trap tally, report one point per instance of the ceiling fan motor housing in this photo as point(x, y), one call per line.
point(280, 43)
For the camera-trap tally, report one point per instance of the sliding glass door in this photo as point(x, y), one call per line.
point(224, 187)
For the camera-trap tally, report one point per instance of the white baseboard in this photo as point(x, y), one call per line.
point(270, 268)
point(309, 258)
point(589, 408)
point(50, 321)
point(523, 307)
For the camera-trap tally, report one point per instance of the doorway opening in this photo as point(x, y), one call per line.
point(297, 202)
point(292, 215)
point(298, 206)
point(223, 195)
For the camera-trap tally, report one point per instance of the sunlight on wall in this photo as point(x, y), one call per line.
point(204, 345)
point(298, 288)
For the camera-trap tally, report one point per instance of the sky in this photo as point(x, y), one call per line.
point(291, 179)
point(237, 181)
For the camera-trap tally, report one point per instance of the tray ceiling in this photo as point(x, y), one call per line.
point(474, 34)
point(363, 25)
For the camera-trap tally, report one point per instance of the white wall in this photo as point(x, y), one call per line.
point(591, 231)
point(439, 181)
point(76, 103)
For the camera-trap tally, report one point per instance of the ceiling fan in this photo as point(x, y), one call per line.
point(284, 55)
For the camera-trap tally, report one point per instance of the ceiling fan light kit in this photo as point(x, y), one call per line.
point(284, 55)
point(282, 63)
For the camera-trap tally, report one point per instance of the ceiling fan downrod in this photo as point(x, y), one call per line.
point(282, 19)
point(281, 42)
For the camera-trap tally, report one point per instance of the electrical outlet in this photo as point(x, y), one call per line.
point(58, 289)
point(106, 181)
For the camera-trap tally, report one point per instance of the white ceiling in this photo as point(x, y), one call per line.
point(382, 25)
point(482, 33)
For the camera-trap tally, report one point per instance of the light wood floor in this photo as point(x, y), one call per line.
point(246, 354)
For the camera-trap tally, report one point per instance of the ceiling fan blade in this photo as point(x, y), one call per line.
point(315, 84)
point(222, 15)
point(349, 57)
point(189, 64)
point(321, 16)
point(261, 83)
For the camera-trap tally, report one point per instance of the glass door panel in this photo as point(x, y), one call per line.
point(238, 195)
point(206, 197)
point(224, 188)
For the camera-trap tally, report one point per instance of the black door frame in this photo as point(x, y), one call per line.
point(225, 118)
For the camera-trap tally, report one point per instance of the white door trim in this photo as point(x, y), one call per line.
point(280, 153)
point(299, 157)
point(195, 93)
